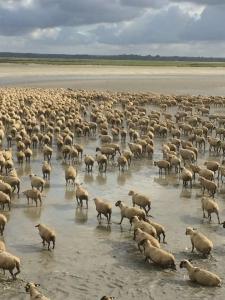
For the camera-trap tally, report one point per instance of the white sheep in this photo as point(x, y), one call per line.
point(208, 185)
point(47, 234)
point(158, 256)
point(141, 200)
point(129, 212)
point(9, 262)
point(31, 288)
point(199, 275)
point(162, 164)
point(186, 175)
point(89, 162)
point(3, 221)
point(159, 229)
point(37, 182)
point(199, 241)
point(210, 206)
point(143, 225)
point(46, 170)
point(33, 194)
point(81, 194)
point(104, 208)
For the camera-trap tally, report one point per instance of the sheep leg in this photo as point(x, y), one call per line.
point(18, 271)
point(53, 244)
point(49, 246)
point(77, 201)
point(193, 247)
point(164, 236)
point(13, 276)
point(121, 220)
point(203, 213)
point(87, 203)
point(210, 217)
point(43, 242)
point(218, 218)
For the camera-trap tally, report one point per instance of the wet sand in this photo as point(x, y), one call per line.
point(91, 260)
point(176, 80)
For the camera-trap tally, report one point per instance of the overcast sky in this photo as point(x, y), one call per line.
point(164, 27)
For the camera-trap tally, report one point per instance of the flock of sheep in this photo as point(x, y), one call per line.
point(126, 126)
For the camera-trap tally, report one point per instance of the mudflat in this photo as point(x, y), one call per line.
point(176, 80)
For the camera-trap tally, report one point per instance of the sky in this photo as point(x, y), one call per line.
point(111, 27)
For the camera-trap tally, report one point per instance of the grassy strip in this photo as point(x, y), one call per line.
point(112, 62)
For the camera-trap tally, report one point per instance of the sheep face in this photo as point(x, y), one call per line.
point(131, 193)
point(37, 225)
point(189, 230)
point(183, 264)
point(118, 203)
point(29, 285)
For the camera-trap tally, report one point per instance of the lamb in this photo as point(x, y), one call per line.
point(47, 234)
point(81, 194)
point(122, 162)
point(129, 212)
point(144, 225)
point(4, 199)
point(186, 175)
point(46, 170)
point(162, 164)
point(141, 200)
point(37, 182)
point(211, 207)
point(3, 221)
point(140, 235)
point(2, 246)
point(70, 174)
point(33, 194)
point(34, 293)
point(89, 162)
point(200, 276)
point(9, 262)
point(199, 241)
point(104, 208)
point(158, 256)
point(209, 185)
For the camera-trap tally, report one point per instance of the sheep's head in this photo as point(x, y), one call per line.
point(118, 203)
point(37, 225)
point(189, 230)
point(184, 263)
point(29, 285)
point(223, 223)
point(131, 193)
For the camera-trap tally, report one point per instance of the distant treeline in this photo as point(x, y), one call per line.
point(15, 55)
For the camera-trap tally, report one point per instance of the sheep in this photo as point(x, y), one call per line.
point(6, 188)
point(144, 225)
point(47, 235)
point(158, 256)
point(129, 212)
point(34, 194)
point(37, 182)
point(79, 148)
point(2, 246)
point(140, 235)
point(128, 154)
point(209, 185)
point(4, 199)
point(89, 162)
point(9, 262)
point(136, 149)
point(13, 181)
point(211, 207)
point(107, 151)
point(199, 241)
point(159, 229)
point(3, 221)
point(28, 153)
point(212, 165)
point(105, 138)
point(70, 174)
point(31, 288)
point(141, 200)
point(162, 164)
point(122, 162)
point(46, 170)
point(186, 175)
point(200, 276)
point(187, 155)
point(81, 194)
point(206, 173)
point(102, 162)
point(47, 152)
point(104, 208)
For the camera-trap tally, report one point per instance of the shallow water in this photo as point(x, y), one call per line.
point(91, 260)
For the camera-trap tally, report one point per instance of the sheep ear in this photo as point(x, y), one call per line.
point(37, 284)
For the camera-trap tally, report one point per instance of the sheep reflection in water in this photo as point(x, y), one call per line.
point(81, 215)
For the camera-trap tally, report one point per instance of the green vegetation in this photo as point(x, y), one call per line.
point(112, 62)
